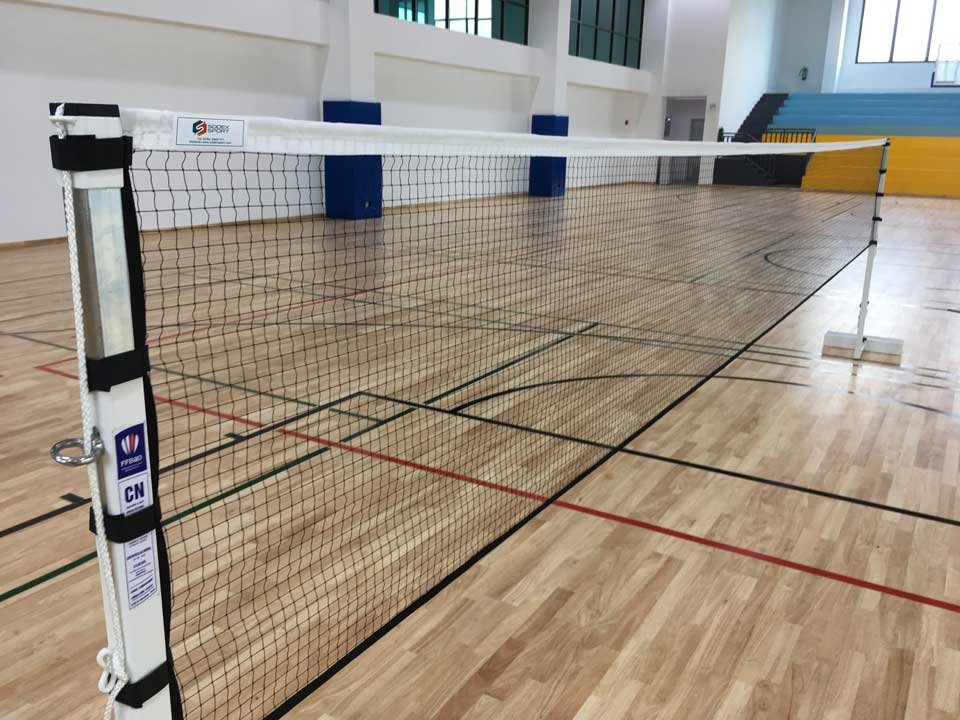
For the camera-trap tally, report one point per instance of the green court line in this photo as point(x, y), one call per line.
point(233, 386)
point(293, 463)
point(240, 488)
point(166, 521)
point(47, 576)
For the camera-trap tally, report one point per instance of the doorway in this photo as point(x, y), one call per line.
point(683, 121)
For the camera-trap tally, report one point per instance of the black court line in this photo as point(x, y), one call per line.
point(499, 540)
point(677, 461)
point(74, 501)
point(316, 408)
point(771, 381)
point(383, 630)
point(286, 466)
point(517, 327)
point(522, 327)
point(262, 429)
point(849, 203)
point(27, 338)
point(711, 342)
point(356, 415)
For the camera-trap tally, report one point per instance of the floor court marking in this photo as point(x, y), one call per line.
point(74, 502)
point(583, 509)
point(494, 543)
point(677, 344)
point(713, 376)
point(678, 461)
point(625, 520)
point(458, 411)
point(262, 429)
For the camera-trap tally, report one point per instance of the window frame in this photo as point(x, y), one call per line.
point(523, 4)
point(577, 21)
point(893, 38)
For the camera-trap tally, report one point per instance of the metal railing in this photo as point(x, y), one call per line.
point(774, 134)
point(789, 135)
point(771, 166)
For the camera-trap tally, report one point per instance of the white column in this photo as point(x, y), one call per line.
point(349, 72)
point(549, 30)
point(833, 55)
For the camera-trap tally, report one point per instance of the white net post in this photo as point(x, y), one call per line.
point(871, 256)
point(115, 444)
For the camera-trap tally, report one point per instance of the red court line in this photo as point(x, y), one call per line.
point(48, 367)
point(575, 507)
point(624, 520)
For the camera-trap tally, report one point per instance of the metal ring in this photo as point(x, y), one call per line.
point(96, 450)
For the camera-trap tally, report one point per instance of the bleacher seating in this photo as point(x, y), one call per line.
point(924, 129)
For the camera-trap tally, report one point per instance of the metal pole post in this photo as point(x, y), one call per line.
point(871, 255)
point(112, 366)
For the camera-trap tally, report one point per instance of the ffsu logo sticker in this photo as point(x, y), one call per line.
point(131, 452)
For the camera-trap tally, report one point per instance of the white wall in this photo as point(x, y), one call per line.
point(694, 58)
point(424, 94)
point(682, 112)
point(802, 42)
point(752, 48)
point(282, 57)
point(49, 54)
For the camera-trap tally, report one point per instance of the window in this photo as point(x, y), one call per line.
point(500, 19)
point(607, 30)
point(907, 30)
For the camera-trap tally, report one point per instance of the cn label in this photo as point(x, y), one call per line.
point(136, 493)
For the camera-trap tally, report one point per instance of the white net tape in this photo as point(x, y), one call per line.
point(166, 130)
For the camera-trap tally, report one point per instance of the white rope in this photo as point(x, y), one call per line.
point(111, 659)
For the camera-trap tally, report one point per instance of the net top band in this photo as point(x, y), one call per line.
point(167, 130)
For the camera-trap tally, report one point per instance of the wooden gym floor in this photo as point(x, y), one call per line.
point(783, 543)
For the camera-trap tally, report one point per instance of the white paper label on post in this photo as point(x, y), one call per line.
point(209, 132)
point(136, 493)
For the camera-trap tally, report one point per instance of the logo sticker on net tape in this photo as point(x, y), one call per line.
point(209, 132)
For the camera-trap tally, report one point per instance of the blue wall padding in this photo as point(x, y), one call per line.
point(353, 186)
point(548, 175)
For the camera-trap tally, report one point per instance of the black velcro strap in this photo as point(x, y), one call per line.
point(79, 153)
point(104, 373)
point(86, 109)
point(883, 171)
point(879, 194)
point(872, 242)
point(124, 528)
point(135, 694)
point(877, 218)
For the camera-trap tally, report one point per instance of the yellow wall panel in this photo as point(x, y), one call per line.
point(915, 166)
